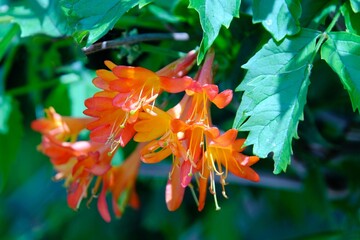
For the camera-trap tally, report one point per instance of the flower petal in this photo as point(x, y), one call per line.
point(185, 174)
point(175, 85)
point(153, 153)
point(223, 99)
point(134, 73)
point(203, 180)
point(103, 206)
point(76, 192)
point(174, 192)
point(243, 171)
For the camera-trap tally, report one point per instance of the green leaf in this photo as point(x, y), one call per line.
point(213, 14)
point(279, 17)
point(275, 89)
point(342, 52)
point(8, 32)
point(95, 17)
point(355, 4)
point(352, 20)
point(11, 131)
point(38, 16)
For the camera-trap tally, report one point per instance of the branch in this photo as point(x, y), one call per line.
point(111, 44)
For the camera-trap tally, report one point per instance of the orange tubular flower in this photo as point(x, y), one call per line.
point(125, 90)
point(79, 163)
point(222, 152)
point(59, 127)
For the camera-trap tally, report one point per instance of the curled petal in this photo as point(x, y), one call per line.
point(226, 138)
point(211, 90)
point(243, 171)
point(223, 99)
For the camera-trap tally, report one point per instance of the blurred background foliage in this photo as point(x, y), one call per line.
point(317, 198)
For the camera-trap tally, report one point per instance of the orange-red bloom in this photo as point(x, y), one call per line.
point(223, 154)
point(125, 90)
point(80, 163)
point(125, 109)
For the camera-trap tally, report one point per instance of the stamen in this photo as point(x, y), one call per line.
point(223, 183)
point(213, 191)
point(194, 194)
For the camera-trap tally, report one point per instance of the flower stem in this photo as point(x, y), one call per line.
point(111, 44)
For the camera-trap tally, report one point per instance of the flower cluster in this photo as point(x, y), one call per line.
point(125, 108)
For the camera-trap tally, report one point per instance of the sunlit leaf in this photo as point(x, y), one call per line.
point(38, 16)
point(279, 17)
point(214, 14)
point(95, 17)
point(341, 52)
point(275, 89)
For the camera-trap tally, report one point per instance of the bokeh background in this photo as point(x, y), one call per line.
point(317, 198)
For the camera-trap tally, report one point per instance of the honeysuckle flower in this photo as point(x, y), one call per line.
point(223, 154)
point(110, 124)
point(59, 127)
point(80, 163)
point(125, 90)
point(125, 109)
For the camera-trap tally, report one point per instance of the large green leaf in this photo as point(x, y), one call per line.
point(213, 14)
point(275, 89)
point(355, 4)
point(279, 17)
point(342, 52)
point(92, 19)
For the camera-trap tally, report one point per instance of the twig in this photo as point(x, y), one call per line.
point(111, 44)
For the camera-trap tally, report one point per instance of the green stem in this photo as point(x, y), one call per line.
point(324, 35)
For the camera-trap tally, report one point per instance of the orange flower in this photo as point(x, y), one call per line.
point(223, 154)
point(80, 163)
point(61, 128)
point(125, 90)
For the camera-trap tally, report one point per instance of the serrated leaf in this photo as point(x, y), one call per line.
point(279, 17)
point(94, 16)
point(342, 52)
point(213, 14)
point(352, 20)
point(355, 4)
point(275, 89)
